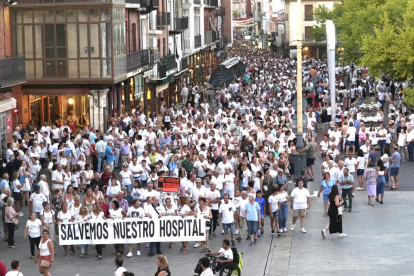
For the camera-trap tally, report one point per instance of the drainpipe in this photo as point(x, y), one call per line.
point(93, 106)
point(99, 107)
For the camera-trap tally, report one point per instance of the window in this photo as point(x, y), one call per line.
point(134, 37)
point(197, 22)
point(308, 33)
point(308, 13)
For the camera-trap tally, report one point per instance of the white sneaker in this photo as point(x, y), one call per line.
point(303, 230)
point(342, 235)
point(138, 253)
point(292, 227)
point(323, 233)
point(196, 245)
point(222, 231)
point(284, 229)
point(21, 214)
point(280, 230)
point(129, 255)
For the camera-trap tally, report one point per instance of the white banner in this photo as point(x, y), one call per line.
point(132, 230)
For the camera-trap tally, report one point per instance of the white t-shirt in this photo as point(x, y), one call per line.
point(113, 190)
point(226, 211)
point(185, 209)
point(136, 168)
point(38, 200)
point(213, 195)
point(34, 228)
point(350, 164)
point(228, 254)
point(65, 217)
point(351, 132)
point(18, 273)
point(243, 203)
point(135, 212)
point(126, 177)
point(274, 201)
point(207, 272)
point(229, 181)
point(361, 163)
point(300, 198)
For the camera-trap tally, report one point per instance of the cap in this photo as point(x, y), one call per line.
point(36, 187)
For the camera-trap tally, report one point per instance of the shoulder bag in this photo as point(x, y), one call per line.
point(44, 263)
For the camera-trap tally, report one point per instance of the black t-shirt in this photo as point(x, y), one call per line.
point(399, 129)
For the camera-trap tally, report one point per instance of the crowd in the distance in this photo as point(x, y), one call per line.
point(234, 158)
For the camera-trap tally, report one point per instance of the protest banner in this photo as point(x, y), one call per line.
point(132, 230)
point(168, 184)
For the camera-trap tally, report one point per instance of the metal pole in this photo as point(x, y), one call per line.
point(299, 70)
point(331, 44)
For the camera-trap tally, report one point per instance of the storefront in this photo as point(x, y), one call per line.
point(7, 105)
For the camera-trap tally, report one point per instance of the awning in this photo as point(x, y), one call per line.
point(56, 91)
point(160, 88)
point(7, 104)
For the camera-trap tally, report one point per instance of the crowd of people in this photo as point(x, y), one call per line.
point(234, 157)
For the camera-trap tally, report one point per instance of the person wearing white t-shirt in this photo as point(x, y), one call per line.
point(226, 214)
point(351, 164)
point(213, 197)
point(360, 166)
point(36, 201)
point(274, 214)
point(300, 201)
point(32, 231)
point(350, 139)
point(15, 265)
point(135, 212)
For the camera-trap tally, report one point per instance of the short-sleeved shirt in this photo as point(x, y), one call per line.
point(327, 186)
point(252, 211)
point(396, 157)
point(228, 254)
point(274, 202)
point(226, 211)
point(300, 198)
point(262, 204)
point(311, 150)
point(34, 228)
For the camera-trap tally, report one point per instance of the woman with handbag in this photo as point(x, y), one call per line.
point(204, 211)
point(46, 253)
point(335, 216)
point(11, 221)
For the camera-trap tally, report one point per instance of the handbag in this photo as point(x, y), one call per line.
point(340, 211)
point(44, 263)
point(286, 170)
point(16, 222)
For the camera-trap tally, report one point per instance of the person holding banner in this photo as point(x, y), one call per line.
point(64, 216)
point(183, 211)
point(82, 217)
point(98, 214)
point(135, 212)
point(117, 213)
point(154, 210)
point(204, 211)
point(171, 210)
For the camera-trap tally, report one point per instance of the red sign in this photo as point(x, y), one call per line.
point(9, 123)
point(169, 184)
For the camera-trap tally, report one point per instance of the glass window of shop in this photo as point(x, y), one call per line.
point(3, 132)
point(65, 43)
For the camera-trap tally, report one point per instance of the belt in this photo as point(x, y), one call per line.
point(124, 154)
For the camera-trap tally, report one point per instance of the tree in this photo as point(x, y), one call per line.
point(320, 14)
point(235, 14)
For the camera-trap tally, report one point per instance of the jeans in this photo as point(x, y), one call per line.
point(347, 193)
point(98, 248)
point(34, 242)
point(382, 144)
point(283, 215)
point(101, 161)
point(410, 148)
point(84, 248)
point(252, 226)
point(241, 185)
point(129, 187)
point(213, 221)
point(156, 245)
point(116, 163)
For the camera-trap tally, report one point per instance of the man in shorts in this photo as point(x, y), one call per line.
point(300, 201)
point(395, 168)
point(310, 149)
point(226, 214)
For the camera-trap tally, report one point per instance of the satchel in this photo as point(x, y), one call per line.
point(44, 263)
point(16, 222)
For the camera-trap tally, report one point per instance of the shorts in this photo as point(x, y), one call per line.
point(299, 212)
point(228, 227)
point(325, 198)
point(275, 214)
point(17, 196)
point(360, 172)
point(262, 217)
point(230, 191)
point(350, 143)
point(310, 161)
point(325, 126)
point(394, 171)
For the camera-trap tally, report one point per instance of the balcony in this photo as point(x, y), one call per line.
point(161, 19)
point(147, 6)
point(211, 3)
point(197, 41)
point(208, 37)
point(180, 25)
point(307, 17)
point(137, 60)
point(197, 2)
point(167, 63)
point(216, 36)
point(12, 71)
point(222, 42)
point(220, 12)
point(184, 64)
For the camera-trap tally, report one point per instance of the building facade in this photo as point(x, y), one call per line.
point(310, 47)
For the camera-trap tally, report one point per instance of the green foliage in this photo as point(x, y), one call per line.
point(409, 96)
point(235, 14)
point(375, 33)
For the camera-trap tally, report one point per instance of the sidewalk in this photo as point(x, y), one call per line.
point(379, 241)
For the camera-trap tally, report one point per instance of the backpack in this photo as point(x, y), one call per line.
point(237, 259)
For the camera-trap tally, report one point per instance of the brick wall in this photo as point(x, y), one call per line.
point(227, 20)
point(5, 42)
